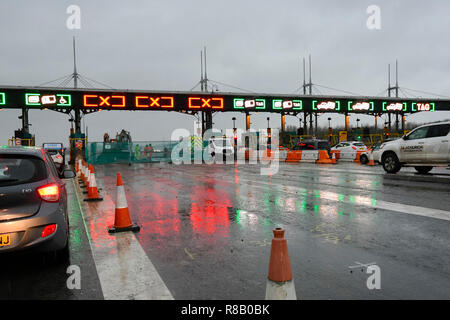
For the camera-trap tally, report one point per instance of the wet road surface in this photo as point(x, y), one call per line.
point(206, 233)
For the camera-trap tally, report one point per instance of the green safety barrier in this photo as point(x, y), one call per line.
point(129, 152)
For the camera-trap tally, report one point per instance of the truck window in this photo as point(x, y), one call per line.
point(418, 134)
point(440, 130)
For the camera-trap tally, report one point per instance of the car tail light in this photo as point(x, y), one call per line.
point(48, 230)
point(354, 148)
point(49, 193)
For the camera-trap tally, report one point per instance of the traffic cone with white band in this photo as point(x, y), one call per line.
point(81, 180)
point(86, 176)
point(371, 161)
point(122, 220)
point(92, 189)
point(280, 283)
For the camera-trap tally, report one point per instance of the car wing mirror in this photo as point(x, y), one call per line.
point(68, 174)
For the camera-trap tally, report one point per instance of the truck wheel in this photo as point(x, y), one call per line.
point(391, 164)
point(423, 170)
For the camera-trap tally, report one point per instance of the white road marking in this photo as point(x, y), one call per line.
point(370, 202)
point(124, 270)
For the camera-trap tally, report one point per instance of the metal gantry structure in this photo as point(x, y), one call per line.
point(204, 103)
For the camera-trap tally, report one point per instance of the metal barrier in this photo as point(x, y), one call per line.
point(21, 142)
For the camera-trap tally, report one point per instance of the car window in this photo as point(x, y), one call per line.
point(345, 144)
point(440, 130)
point(304, 146)
point(418, 133)
point(19, 169)
point(359, 144)
point(52, 165)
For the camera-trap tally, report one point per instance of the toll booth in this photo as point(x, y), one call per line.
point(22, 138)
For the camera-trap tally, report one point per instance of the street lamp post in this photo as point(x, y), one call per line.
point(330, 131)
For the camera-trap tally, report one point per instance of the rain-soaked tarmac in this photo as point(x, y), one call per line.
point(206, 232)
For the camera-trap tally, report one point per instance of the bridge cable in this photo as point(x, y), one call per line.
point(339, 90)
point(100, 83)
point(230, 86)
point(429, 93)
point(45, 83)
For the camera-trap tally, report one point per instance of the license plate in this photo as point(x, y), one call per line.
point(5, 240)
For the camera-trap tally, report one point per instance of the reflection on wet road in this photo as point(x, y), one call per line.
point(207, 229)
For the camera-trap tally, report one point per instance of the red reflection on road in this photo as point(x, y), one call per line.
point(209, 211)
point(159, 215)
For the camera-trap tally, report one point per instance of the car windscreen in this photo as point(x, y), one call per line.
point(20, 169)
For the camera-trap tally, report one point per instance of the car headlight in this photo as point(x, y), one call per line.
point(382, 146)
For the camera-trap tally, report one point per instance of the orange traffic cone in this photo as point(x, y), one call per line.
point(81, 180)
point(122, 220)
point(86, 176)
point(280, 283)
point(333, 158)
point(371, 161)
point(324, 157)
point(358, 156)
point(92, 189)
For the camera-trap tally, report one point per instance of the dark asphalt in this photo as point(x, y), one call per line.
point(207, 229)
point(34, 276)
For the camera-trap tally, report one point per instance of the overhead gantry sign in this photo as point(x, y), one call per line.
point(93, 100)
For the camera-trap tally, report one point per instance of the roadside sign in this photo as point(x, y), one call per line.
point(342, 136)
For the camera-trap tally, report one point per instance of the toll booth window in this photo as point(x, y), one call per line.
point(418, 134)
point(438, 130)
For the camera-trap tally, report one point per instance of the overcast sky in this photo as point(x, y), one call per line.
point(254, 45)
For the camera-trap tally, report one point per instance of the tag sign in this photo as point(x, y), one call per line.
point(423, 106)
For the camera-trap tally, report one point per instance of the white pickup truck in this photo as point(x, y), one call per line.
point(220, 146)
point(423, 148)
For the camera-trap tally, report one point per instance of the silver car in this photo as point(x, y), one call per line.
point(33, 202)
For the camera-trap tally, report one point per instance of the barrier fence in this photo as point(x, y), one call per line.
point(161, 151)
point(129, 152)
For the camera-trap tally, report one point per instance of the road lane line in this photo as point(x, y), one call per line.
point(371, 202)
point(124, 269)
